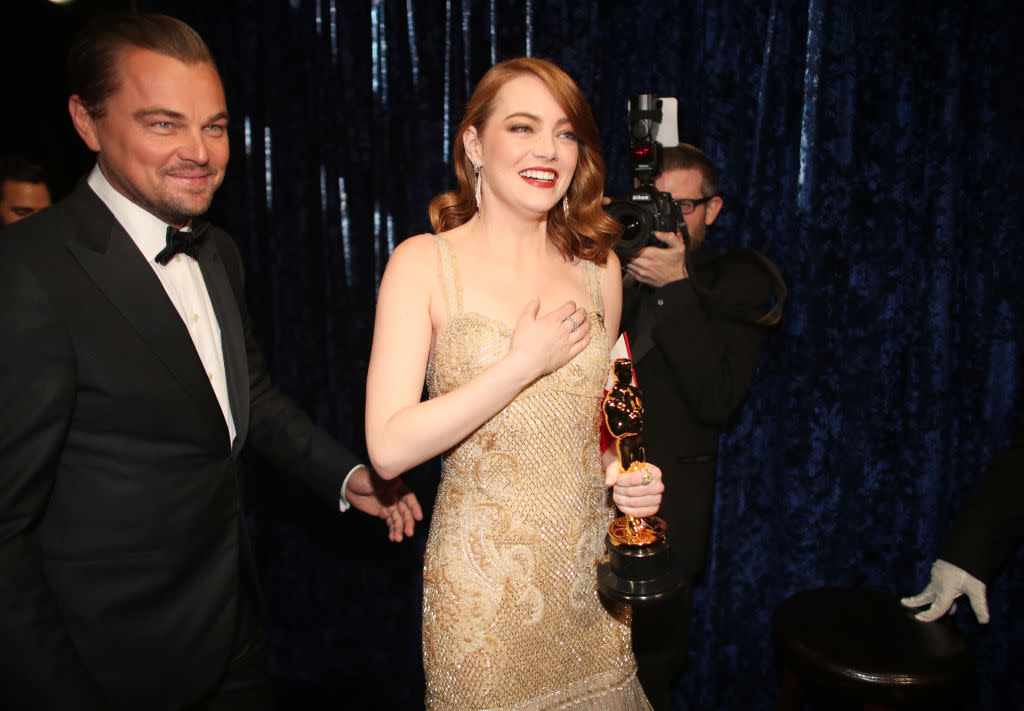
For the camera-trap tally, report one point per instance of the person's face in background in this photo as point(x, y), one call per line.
point(684, 184)
point(19, 199)
point(162, 141)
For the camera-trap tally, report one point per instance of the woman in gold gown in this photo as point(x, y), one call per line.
point(507, 312)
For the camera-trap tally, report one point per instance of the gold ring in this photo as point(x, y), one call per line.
point(646, 475)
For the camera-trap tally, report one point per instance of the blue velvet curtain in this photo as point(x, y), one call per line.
point(871, 149)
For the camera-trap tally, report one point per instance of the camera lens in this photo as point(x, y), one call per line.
point(637, 223)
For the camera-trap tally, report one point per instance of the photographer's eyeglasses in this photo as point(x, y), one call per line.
point(688, 206)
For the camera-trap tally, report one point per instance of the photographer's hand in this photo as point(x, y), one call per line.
point(657, 266)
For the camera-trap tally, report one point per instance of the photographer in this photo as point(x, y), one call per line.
point(695, 319)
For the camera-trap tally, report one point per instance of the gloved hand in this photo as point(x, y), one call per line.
point(947, 584)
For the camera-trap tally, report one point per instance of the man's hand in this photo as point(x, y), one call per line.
point(947, 584)
point(389, 500)
point(657, 266)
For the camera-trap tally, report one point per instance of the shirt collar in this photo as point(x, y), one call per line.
point(147, 231)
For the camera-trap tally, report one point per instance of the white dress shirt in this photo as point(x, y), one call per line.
point(181, 278)
point(183, 282)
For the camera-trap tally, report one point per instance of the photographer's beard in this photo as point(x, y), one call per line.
point(687, 183)
point(696, 240)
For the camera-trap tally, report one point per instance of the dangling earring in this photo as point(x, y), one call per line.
point(565, 205)
point(476, 172)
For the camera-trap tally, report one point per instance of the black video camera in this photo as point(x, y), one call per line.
point(647, 209)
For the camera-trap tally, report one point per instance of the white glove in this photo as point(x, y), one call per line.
point(947, 584)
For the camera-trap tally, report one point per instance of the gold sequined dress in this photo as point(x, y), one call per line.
point(511, 614)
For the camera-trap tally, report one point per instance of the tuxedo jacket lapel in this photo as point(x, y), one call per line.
point(232, 337)
point(119, 270)
point(640, 313)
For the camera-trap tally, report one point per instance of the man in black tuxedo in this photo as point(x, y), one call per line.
point(131, 381)
point(690, 315)
point(982, 538)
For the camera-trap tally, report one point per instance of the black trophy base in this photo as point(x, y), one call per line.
point(638, 575)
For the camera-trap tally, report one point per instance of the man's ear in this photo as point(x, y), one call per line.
point(471, 142)
point(714, 206)
point(84, 122)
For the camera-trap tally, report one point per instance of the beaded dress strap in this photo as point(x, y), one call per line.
point(593, 280)
point(449, 277)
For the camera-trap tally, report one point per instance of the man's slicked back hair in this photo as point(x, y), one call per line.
point(93, 58)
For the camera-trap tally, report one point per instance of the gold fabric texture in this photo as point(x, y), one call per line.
point(511, 614)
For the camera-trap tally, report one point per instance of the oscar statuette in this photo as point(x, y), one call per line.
point(638, 567)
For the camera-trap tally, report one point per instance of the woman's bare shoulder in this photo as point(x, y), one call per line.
point(413, 253)
point(612, 265)
point(457, 235)
point(415, 246)
point(609, 274)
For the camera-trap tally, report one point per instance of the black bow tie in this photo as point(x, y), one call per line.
point(182, 242)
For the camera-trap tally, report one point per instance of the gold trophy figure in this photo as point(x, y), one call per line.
point(624, 415)
point(638, 567)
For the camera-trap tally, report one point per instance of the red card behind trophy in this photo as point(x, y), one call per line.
point(619, 350)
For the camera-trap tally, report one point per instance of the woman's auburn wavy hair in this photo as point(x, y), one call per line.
point(588, 232)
